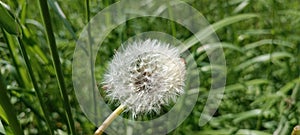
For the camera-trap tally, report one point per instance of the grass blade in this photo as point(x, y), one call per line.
point(216, 45)
point(55, 6)
point(90, 44)
point(8, 22)
point(35, 85)
point(2, 130)
point(268, 42)
point(9, 109)
point(216, 26)
point(246, 115)
point(21, 75)
point(56, 62)
point(263, 58)
point(2, 115)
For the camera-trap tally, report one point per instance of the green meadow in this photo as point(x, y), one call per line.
point(260, 40)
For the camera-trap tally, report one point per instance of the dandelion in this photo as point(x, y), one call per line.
point(145, 75)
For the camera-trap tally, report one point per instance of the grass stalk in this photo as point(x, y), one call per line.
point(90, 44)
point(19, 77)
point(35, 85)
point(9, 109)
point(172, 24)
point(56, 62)
point(109, 120)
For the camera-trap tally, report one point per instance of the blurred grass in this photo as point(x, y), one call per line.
point(44, 9)
point(261, 45)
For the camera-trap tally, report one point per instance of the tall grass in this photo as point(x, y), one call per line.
point(261, 45)
point(57, 64)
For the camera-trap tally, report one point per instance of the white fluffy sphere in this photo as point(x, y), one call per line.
point(145, 75)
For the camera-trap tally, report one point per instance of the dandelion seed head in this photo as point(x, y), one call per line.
point(145, 75)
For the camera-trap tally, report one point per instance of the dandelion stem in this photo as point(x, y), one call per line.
point(296, 130)
point(109, 120)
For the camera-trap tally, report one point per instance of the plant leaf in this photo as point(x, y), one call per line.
point(202, 34)
point(268, 41)
point(54, 4)
point(3, 115)
point(246, 115)
point(2, 130)
point(263, 58)
point(8, 22)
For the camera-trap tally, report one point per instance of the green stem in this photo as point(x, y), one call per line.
point(57, 65)
point(9, 109)
point(35, 85)
point(170, 12)
point(90, 44)
point(87, 12)
point(19, 77)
